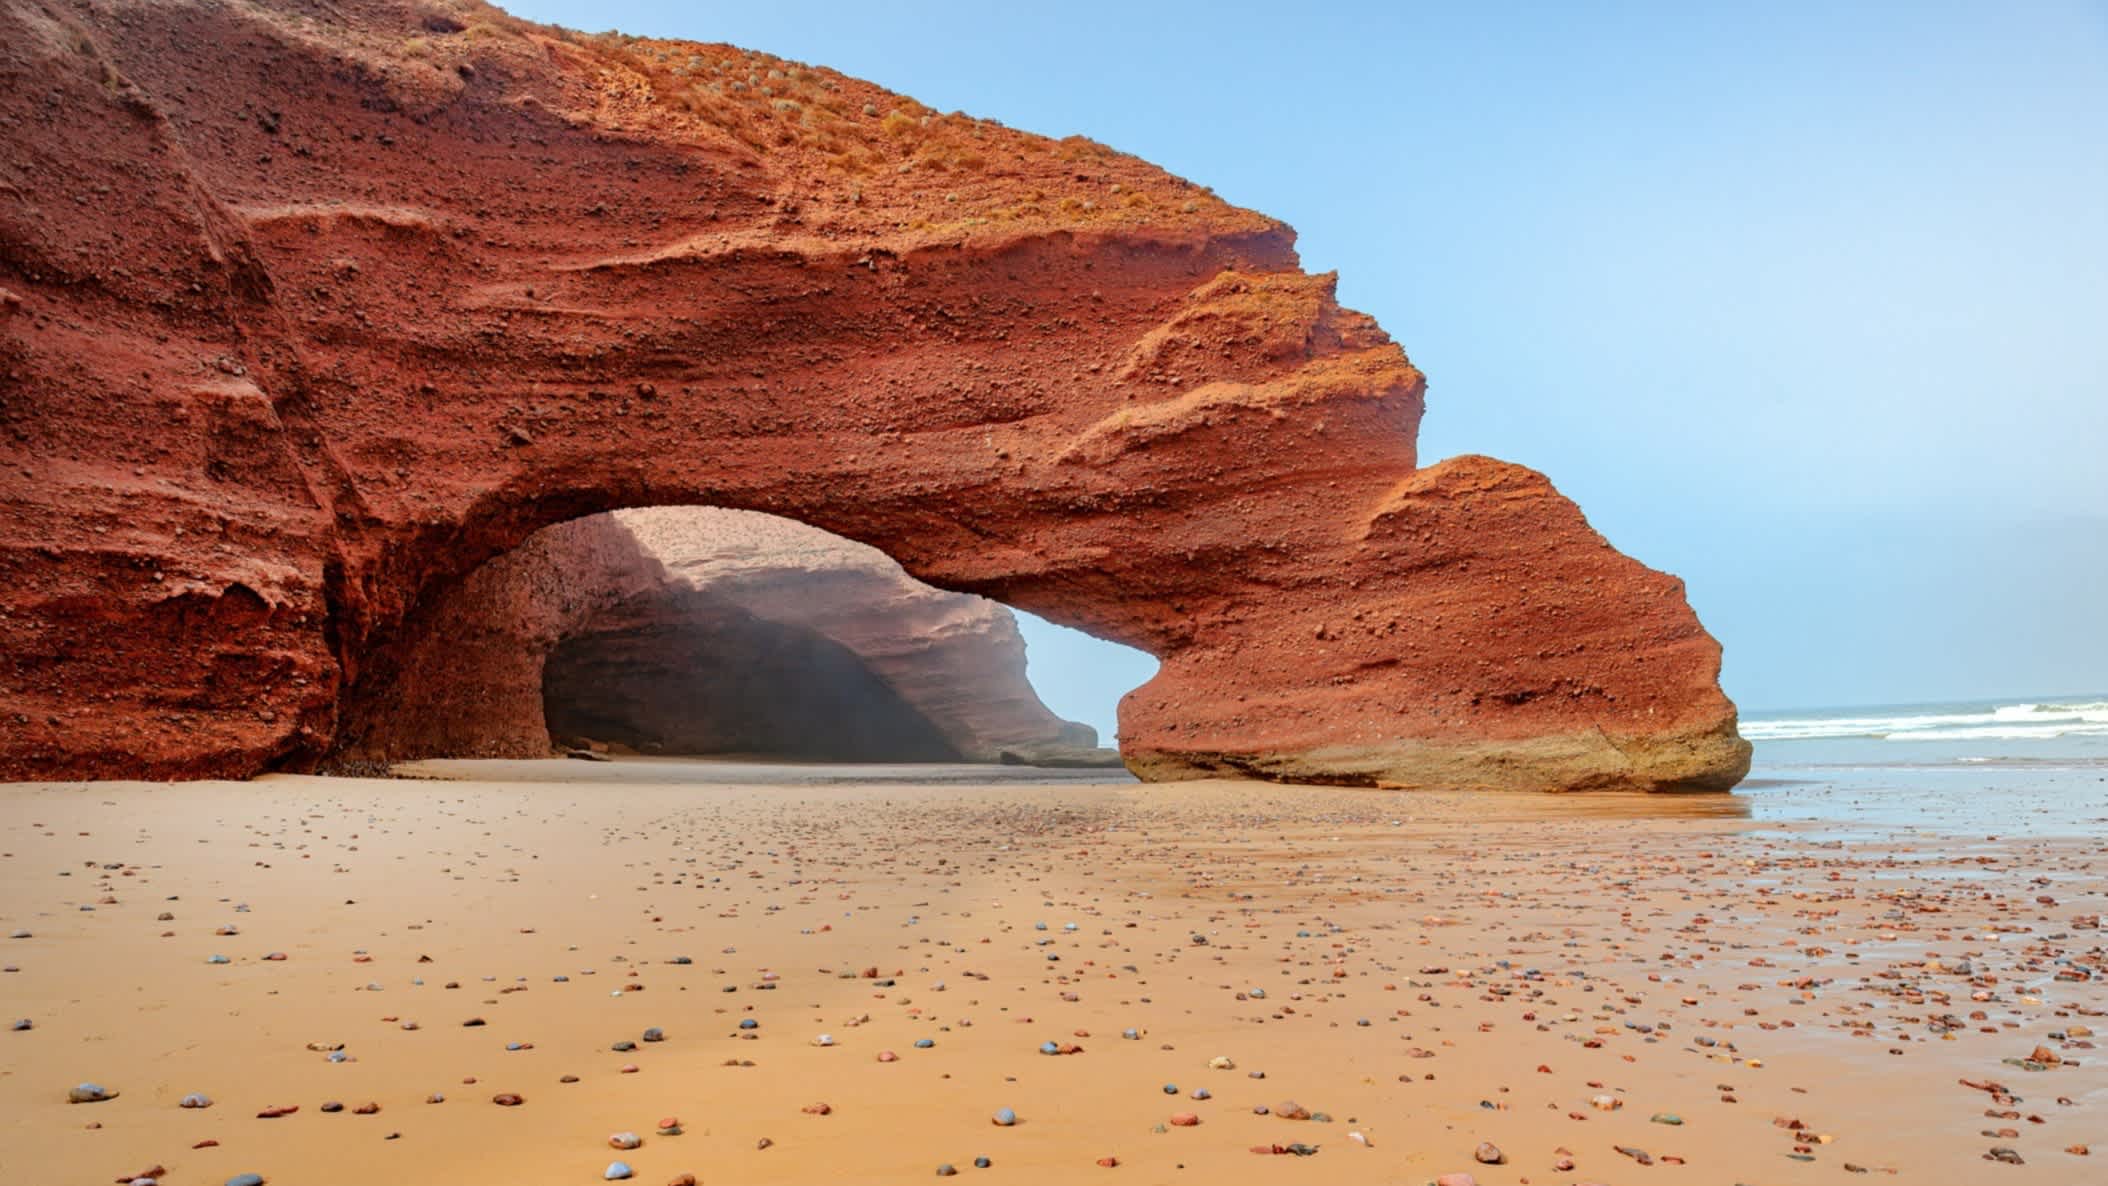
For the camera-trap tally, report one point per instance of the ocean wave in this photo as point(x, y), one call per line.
point(2001, 733)
point(2095, 711)
point(2031, 720)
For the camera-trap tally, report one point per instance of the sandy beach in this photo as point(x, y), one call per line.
point(1607, 989)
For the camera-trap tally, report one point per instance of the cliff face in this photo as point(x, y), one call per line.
point(692, 630)
point(309, 309)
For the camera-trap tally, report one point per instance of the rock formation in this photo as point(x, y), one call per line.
point(309, 309)
point(699, 631)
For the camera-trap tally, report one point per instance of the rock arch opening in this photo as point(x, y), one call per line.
point(697, 631)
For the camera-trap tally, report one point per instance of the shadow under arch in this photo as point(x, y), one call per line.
point(712, 678)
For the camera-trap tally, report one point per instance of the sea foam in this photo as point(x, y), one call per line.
point(2002, 722)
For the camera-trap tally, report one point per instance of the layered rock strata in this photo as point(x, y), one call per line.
point(309, 309)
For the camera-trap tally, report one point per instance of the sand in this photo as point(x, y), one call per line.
point(1437, 971)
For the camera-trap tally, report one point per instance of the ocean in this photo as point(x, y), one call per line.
point(2045, 728)
point(2031, 766)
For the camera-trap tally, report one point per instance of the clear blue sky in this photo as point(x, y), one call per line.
point(1807, 303)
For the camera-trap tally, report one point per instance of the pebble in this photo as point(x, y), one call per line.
point(625, 1140)
point(654, 1034)
point(982, 1163)
point(1184, 1120)
point(1004, 1117)
point(507, 1099)
point(1488, 1153)
point(90, 1093)
point(617, 1171)
point(246, 1180)
point(194, 1100)
point(946, 1170)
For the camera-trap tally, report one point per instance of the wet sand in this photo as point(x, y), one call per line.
point(1427, 971)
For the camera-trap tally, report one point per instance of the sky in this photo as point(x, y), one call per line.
point(1805, 303)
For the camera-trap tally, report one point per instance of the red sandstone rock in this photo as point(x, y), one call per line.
point(708, 631)
point(305, 317)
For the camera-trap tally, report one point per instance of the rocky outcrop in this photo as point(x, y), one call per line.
point(700, 631)
point(309, 310)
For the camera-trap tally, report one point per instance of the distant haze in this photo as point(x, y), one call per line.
point(1806, 303)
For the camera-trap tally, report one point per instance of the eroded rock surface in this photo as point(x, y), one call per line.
point(702, 631)
point(307, 311)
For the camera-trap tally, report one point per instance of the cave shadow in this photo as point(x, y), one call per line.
point(700, 676)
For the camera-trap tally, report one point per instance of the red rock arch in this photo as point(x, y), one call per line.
point(351, 301)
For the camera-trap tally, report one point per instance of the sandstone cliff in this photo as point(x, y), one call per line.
point(700, 631)
point(308, 309)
